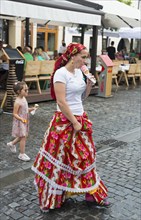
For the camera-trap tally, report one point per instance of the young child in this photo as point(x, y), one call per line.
point(20, 126)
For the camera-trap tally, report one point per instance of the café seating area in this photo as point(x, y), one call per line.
point(37, 74)
point(37, 71)
point(40, 71)
point(126, 71)
point(123, 72)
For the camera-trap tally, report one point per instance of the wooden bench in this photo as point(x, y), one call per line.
point(32, 72)
point(37, 71)
point(46, 70)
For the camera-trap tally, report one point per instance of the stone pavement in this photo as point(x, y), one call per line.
point(117, 134)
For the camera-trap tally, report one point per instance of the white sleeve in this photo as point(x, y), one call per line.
point(59, 76)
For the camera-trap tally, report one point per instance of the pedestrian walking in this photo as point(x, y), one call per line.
point(111, 50)
point(20, 126)
point(66, 162)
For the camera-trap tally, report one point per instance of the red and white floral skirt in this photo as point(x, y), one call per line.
point(66, 163)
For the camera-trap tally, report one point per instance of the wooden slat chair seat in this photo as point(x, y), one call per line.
point(46, 70)
point(118, 62)
point(126, 62)
point(115, 70)
point(131, 72)
point(138, 71)
point(32, 71)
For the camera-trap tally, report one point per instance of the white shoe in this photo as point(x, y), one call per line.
point(12, 147)
point(23, 157)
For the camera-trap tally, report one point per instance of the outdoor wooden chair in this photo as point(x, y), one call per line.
point(115, 70)
point(32, 71)
point(131, 72)
point(138, 71)
point(46, 70)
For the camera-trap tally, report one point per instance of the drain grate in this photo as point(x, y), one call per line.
point(110, 143)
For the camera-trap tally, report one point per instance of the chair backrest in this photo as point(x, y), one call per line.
point(126, 61)
point(138, 68)
point(115, 69)
point(138, 61)
point(118, 62)
point(32, 68)
point(132, 68)
point(47, 66)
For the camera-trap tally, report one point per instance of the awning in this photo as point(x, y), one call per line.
point(52, 11)
point(118, 14)
point(134, 33)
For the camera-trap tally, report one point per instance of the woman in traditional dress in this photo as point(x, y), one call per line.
point(66, 161)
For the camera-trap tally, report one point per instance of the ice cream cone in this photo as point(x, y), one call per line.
point(86, 72)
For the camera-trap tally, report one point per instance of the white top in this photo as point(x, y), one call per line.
point(62, 49)
point(75, 87)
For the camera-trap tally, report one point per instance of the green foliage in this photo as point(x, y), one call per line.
point(127, 2)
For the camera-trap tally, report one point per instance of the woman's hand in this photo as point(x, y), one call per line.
point(77, 126)
point(91, 82)
point(88, 87)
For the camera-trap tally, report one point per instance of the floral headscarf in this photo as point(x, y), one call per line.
point(72, 49)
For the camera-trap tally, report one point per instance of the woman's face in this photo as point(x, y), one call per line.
point(80, 58)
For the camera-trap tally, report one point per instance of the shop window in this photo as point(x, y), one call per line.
point(47, 37)
point(51, 41)
point(40, 39)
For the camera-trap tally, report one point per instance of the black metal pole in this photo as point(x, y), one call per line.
point(63, 34)
point(94, 49)
point(27, 31)
point(131, 44)
point(102, 34)
point(82, 33)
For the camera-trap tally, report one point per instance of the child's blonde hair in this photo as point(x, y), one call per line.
point(18, 86)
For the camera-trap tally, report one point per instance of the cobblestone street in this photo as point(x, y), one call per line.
point(117, 134)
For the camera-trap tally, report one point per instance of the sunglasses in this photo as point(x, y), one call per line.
point(26, 90)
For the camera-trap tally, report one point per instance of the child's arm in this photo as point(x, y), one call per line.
point(33, 108)
point(15, 113)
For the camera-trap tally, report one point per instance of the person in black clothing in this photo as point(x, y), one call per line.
point(111, 51)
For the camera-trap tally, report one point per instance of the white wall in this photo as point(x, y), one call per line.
point(15, 33)
point(60, 36)
point(34, 35)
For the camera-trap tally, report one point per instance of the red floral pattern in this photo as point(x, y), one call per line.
point(66, 163)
